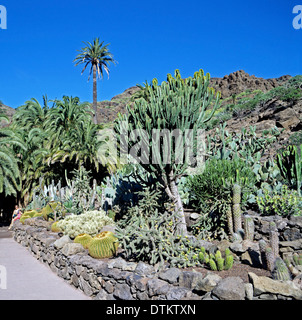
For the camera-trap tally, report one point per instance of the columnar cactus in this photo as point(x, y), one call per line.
point(270, 258)
point(262, 247)
point(280, 271)
point(229, 214)
point(236, 207)
point(274, 238)
point(249, 228)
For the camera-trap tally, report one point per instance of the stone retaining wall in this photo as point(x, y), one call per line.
point(118, 279)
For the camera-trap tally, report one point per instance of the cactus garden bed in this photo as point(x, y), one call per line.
point(121, 279)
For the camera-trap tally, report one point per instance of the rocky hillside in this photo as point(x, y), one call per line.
point(232, 84)
point(240, 81)
point(8, 111)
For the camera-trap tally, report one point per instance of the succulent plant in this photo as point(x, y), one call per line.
point(274, 238)
point(249, 228)
point(216, 262)
point(262, 247)
point(84, 239)
point(90, 222)
point(55, 228)
point(104, 245)
point(270, 258)
point(280, 271)
point(236, 207)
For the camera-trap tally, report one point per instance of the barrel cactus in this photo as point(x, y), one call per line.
point(84, 239)
point(27, 214)
point(104, 245)
point(55, 228)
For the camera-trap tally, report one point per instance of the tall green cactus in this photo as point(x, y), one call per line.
point(175, 107)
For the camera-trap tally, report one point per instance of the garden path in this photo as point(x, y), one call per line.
point(27, 278)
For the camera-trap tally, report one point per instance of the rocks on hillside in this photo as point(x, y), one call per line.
point(240, 81)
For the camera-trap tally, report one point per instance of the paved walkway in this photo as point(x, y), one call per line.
point(27, 278)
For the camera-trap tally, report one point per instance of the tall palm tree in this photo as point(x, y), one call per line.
point(10, 180)
point(96, 55)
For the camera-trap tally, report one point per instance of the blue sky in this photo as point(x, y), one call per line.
point(148, 39)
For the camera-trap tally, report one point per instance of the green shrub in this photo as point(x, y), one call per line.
point(211, 194)
point(284, 203)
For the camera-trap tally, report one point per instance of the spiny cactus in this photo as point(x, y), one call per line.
point(215, 261)
point(297, 259)
point(229, 215)
point(213, 265)
point(104, 245)
point(84, 239)
point(27, 215)
point(55, 228)
point(50, 208)
point(236, 207)
point(274, 238)
point(262, 247)
point(270, 258)
point(280, 271)
point(249, 228)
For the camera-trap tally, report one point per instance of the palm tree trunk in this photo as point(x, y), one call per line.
point(95, 94)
